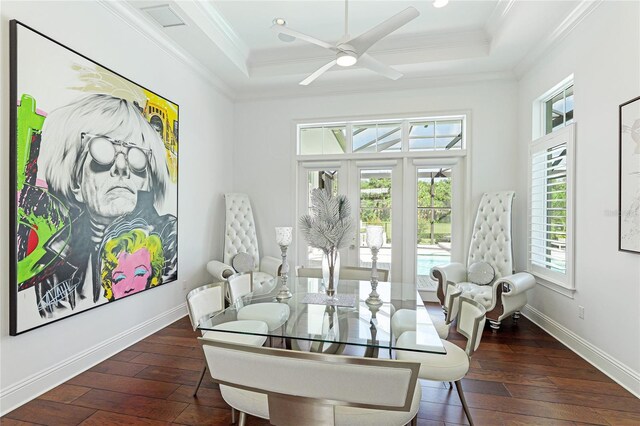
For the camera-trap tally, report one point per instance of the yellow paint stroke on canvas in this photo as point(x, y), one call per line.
point(163, 117)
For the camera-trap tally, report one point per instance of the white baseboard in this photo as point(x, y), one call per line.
point(19, 393)
point(616, 370)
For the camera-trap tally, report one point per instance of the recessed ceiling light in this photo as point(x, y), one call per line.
point(440, 3)
point(279, 21)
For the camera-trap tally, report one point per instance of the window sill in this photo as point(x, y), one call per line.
point(551, 285)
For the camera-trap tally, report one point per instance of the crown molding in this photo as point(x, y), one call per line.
point(498, 17)
point(133, 17)
point(573, 19)
point(402, 50)
point(383, 86)
point(218, 30)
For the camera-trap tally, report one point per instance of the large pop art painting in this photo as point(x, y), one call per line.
point(94, 167)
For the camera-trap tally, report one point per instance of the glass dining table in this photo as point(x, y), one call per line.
point(315, 325)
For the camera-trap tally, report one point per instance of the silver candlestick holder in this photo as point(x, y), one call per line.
point(374, 241)
point(283, 238)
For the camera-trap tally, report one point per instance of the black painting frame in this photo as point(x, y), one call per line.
point(13, 225)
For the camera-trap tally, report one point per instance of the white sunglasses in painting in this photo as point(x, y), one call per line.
point(104, 151)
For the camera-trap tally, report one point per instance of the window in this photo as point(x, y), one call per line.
point(551, 165)
point(383, 136)
point(327, 139)
point(558, 110)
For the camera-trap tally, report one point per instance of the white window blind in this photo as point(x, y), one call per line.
point(551, 207)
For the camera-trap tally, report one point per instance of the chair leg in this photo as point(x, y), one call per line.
point(414, 421)
point(516, 316)
point(242, 419)
point(495, 325)
point(464, 402)
point(204, 369)
point(233, 415)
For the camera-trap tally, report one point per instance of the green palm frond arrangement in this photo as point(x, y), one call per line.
point(329, 227)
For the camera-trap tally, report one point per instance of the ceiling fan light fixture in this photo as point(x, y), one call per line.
point(346, 59)
point(440, 3)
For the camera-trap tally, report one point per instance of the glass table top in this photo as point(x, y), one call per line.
point(325, 328)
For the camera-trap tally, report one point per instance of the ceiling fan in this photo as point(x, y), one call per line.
point(350, 51)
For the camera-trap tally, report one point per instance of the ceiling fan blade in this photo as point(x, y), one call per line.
point(366, 40)
point(318, 73)
point(369, 62)
point(280, 29)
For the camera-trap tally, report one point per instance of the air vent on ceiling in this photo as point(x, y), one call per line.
point(164, 15)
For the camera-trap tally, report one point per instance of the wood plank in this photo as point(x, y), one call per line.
point(534, 408)
point(175, 375)
point(6, 421)
point(576, 362)
point(132, 385)
point(126, 355)
point(157, 348)
point(206, 396)
point(442, 413)
point(169, 361)
point(65, 393)
point(546, 370)
point(579, 385)
point(619, 418)
point(202, 415)
point(132, 405)
point(592, 400)
point(118, 368)
point(100, 418)
point(495, 418)
point(172, 340)
point(50, 413)
point(507, 377)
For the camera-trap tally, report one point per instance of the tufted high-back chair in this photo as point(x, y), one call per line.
point(491, 238)
point(240, 238)
point(240, 233)
point(501, 291)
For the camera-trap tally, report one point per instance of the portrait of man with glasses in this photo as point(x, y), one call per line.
point(103, 159)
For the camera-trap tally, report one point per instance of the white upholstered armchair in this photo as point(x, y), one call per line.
point(500, 291)
point(241, 247)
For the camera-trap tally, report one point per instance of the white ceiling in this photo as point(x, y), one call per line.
point(231, 43)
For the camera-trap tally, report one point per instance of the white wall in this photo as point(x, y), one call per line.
point(264, 156)
point(37, 360)
point(604, 54)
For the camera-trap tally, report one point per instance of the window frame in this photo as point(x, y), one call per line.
point(561, 283)
point(403, 120)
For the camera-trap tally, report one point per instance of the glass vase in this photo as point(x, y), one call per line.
point(331, 272)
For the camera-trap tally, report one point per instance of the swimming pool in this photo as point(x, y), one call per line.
point(425, 263)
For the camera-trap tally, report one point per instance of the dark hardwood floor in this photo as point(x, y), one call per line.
point(519, 376)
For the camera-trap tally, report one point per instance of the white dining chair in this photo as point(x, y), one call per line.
point(208, 300)
point(453, 366)
point(239, 290)
point(405, 319)
point(299, 388)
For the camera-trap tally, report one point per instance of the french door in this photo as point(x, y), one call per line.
point(416, 201)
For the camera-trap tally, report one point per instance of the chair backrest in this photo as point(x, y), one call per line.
point(240, 229)
point(471, 318)
point(491, 238)
point(346, 272)
point(204, 301)
point(239, 284)
point(452, 301)
point(319, 379)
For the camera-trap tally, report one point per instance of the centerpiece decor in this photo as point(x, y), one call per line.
point(329, 228)
point(375, 239)
point(284, 235)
